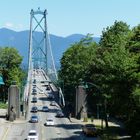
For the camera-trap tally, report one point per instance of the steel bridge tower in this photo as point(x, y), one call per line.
point(40, 52)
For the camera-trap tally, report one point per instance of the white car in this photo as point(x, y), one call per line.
point(53, 103)
point(33, 135)
point(45, 109)
point(41, 92)
point(49, 122)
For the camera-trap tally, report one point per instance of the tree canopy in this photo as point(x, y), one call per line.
point(113, 65)
point(10, 62)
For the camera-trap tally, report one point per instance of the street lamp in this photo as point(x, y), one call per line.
point(1, 80)
point(61, 92)
point(2, 83)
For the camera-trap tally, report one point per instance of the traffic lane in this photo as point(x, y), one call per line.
point(16, 131)
point(39, 104)
point(36, 126)
point(33, 126)
point(72, 131)
point(61, 128)
point(48, 132)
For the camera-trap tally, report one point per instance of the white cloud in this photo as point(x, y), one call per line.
point(12, 26)
point(9, 25)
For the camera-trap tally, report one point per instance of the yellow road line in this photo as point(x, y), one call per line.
point(4, 136)
point(42, 131)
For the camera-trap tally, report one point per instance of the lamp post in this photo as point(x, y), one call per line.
point(2, 83)
point(61, 92)
point(1, 80)
point(98, 110)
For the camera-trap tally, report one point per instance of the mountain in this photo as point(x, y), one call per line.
point(20, 40)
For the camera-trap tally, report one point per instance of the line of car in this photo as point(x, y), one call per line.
point(33, 135)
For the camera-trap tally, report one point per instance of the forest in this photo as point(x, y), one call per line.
point(113, 65)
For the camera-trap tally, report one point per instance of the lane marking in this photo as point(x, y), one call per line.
point(42, 131)
point(4, 136)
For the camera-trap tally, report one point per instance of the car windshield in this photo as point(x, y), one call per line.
point(32, 134)
point(49, 120)
point(90, 125)
point(45, 107)
point(34, 116)
point(34, 108)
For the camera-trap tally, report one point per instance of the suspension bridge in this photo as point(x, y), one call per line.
point(40, 56)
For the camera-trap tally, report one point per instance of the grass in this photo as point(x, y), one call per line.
point(3, 105)
point(112, 133)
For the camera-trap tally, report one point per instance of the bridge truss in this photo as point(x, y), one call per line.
point(40, 54)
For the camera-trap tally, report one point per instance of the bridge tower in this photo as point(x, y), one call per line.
point(40, 52)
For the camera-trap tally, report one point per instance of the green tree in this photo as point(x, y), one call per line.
point(113, 65)
point(74, 63)
point(118, 33)
point(10, 61)
point(134, 43)
point(134, 118)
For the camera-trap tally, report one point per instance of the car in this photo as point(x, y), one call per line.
point(41, 92)
point(34, 100)
point(32, 135)
point(34, 85)
point(34, 119)
point(49, 122)
point(34, 109)
point(89, 129)
point(50, 96)
point(34, 90)
point(45, 109)
point(34, 81)
point(52, 103)
point(59, 114)
point(34, 93)
point(47, 87)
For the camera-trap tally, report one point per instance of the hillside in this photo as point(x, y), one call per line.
point(20, 40)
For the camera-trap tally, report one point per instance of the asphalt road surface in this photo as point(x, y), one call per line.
point(63, 129)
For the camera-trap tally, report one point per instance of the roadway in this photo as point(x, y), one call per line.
point(63, 128)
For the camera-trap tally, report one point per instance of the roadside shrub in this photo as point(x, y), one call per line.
point(3, 106)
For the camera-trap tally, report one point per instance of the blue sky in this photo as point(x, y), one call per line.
point(67, 17)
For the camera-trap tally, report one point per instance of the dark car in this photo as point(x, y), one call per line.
point(59, 114)
point(89, 130)
point(34, 81)
point(34, 119)
point(34, 100)
point(47, 87)
point(34, 109)
point(34, 93)
point(34, 85)
point(51, 96)
point(34, 90)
